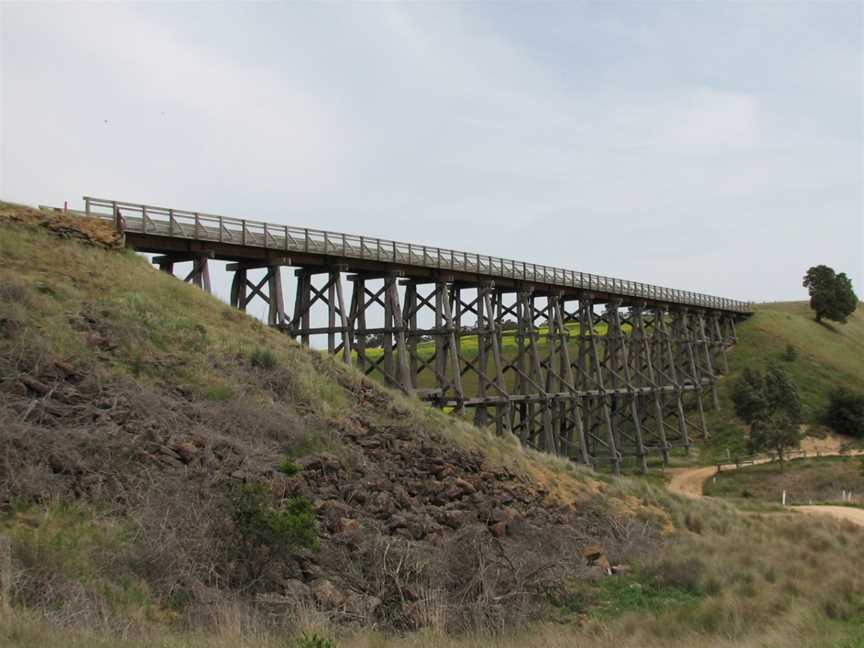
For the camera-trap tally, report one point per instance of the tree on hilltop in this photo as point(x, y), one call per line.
point(831, 294)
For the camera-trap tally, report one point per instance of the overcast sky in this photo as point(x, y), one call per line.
point(705, 146)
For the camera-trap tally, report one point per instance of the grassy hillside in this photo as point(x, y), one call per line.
point(829, 355)
point(175, 473)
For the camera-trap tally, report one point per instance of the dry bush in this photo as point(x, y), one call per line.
point(14, 291)
point(475, 582)
point(493, 585)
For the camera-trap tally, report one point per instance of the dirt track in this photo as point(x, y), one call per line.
point(854, 515)
point(690, 481)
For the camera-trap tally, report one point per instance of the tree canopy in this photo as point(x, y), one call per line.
point(831, 294)
point(759, 396)
point(770, 403)
point(845, 413)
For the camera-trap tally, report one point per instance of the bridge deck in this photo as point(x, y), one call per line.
point(162, 229)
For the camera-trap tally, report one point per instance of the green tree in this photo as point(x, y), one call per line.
point(266, 530)
point(771, 405)
point(845, 413)
point(831, 294)
point(781, 394)
point(748, 394)
point(778, 432)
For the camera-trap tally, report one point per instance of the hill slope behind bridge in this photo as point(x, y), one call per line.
point(827, 356)
point(174, 472)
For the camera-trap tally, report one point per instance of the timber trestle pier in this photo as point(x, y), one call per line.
point(594, 368)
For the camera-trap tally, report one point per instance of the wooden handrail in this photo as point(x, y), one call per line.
point(430, 257)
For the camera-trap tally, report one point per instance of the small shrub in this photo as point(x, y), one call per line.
point(693, 523)
point(845, 413)
point(314, 641)
point(289, 467)
point(790, 354)
point(265, 532)
point(136, 366)
point(263, 359)
point(13, 291)
point(219, 393)
point(686, 575)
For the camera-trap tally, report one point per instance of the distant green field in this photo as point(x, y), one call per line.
point(469, 348)
point(469, 343)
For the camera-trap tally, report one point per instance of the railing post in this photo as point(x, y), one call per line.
point(285, 228)
point(265, 235)
point(118, 219)
point(197, 225)
point(243, 230)
point(170, 222)
point(306, 239)
point(86, 205)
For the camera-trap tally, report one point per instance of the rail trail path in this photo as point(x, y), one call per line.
point(690, 481)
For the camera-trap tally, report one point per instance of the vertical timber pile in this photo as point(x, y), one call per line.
point(243, 291)
point(200, 273)
point(492, 390)
point(393, 363)
point(664, 353)
point(443, 363)
point(561, 383)
point(688, 369)
point(531, 417)
point(651, 416)
point(338, 329)
point(623, 404)
point(599, 431)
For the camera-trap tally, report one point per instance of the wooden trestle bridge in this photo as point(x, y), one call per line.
point(634, 381)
